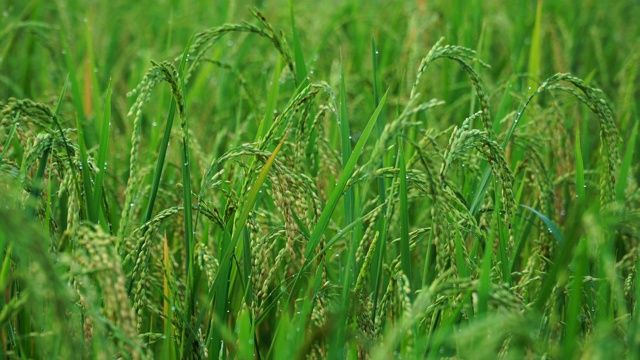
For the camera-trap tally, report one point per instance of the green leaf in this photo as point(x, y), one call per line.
point(535, 54)
point(102, 153)
point(87, 199)
point(580, 193)
point(345, 140)
point(337, 192)
point(301, 67)
point(550, 225)
point(627, 161)
point(405, 252)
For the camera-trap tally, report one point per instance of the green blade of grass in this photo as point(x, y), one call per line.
point(535, 54)
point(36, 189)
point(550, 225)
point(485, 270)
point(102, 153)
point(75, 85)
point(580, 193)
point(87, 197)
point(80, 120)
point(345, 140)
point(503, 242)
point(349, 211)
point(405, 252)
point(301, 67)
point(157, 170)
point(635, 326)
point(575, 300)
point(6, 264)
point(627, 161)
point(189, 238)
point(91, 83)
point(318, 255)
point(272, 100)
point(7, 143)
point(481, 190)
point(337, 192)
point(463, 269)
point(220, 281)
point(164, 144)
point(382, 184)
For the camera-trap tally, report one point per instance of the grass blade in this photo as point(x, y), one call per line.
point(87, 196)
point(187, 201)
point(272, 100)
point(405, 252)
point(102, 154)
point(345, 140)
point(553, 229)
point(336, 194)
point(580, 193)
point(580, 261)
point(627, 161)
point(7, 143)
point(535, 53)
point(301, 67)
point(220, 282)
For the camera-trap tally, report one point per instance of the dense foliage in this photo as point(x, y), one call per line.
point(393, 179)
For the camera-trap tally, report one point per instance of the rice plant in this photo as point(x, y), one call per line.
point(404, 180)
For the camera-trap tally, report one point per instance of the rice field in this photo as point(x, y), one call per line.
point(272, 180)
